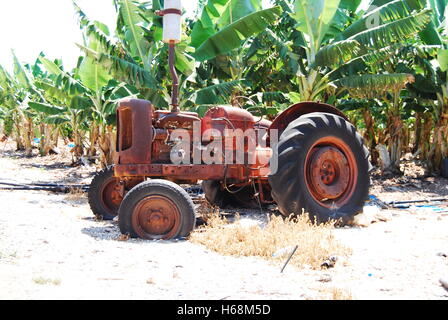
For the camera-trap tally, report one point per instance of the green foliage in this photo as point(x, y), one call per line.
point(390, 60)
point(232, 36)
point(443, 59)
point(390, 32)
point(373, 85)
point(215, 94)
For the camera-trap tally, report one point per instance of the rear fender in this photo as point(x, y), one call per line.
point(298, 110)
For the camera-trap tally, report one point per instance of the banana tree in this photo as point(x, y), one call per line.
point(63, 103)
point(331, 56)
point(21, 89)
point(146, 64)
point(88, 100)
point(134, 57)
point(439, 150)
point(430, 66)
point(11, 98)
point(441, 130)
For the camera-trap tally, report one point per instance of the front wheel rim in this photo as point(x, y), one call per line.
point(111, 197)
point(156, 217)
point(331, 172)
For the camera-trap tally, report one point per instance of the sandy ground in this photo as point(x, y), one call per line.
point(52, 248)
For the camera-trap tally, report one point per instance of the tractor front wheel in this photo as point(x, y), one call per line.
point(322, 169)
point(155, 210)
point(104, 195)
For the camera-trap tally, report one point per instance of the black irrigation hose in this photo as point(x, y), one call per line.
point(52, 187)
point(61, 188)
point(417, 201)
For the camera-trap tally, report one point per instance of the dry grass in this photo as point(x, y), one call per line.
point(341, 294)
point(332, 293)
point(45, 281)
point(76, 195)
point(274, 241)
point(124, 237)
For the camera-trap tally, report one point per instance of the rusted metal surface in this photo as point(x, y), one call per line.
point(226, 117)
point(182, 172)
point(331, 172)
point(161, 13)
point(156, 217)
point(135, 132)
point(192, 172)
point(263, 124)
point(111, 196)
point(286, 117)
point(177, 120)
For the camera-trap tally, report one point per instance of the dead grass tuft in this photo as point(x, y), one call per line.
point(124, 237)
point(45, 281)
point(76, 195)
point(332, 293)
point(274, 241)
point(342, 294)
point(208, 212)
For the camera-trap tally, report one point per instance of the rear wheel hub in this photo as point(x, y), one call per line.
point(330, 171)
point(111, 196)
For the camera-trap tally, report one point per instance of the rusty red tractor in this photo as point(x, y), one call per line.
point(322, 168)
point(318, 162)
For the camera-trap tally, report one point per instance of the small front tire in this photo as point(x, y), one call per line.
point(104, 196)
point(157, 210)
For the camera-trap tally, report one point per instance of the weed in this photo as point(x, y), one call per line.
point(46, 281)
point(274, 242)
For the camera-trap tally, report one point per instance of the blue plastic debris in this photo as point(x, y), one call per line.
point(36, 140)
point(428, 207)
point(71, 145)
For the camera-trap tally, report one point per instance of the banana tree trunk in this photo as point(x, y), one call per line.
point(370, 135)
point(46, 142)
point(406, 140)
point(425, 143)
point(93, 137)
point(18, 138)
point(440, 143)
point(28, 137)
point(395, 132)
point(418, 130)
point(395, 143)
point(107, 145)
point(18, 132)
point(55, 137)
point(78, 150)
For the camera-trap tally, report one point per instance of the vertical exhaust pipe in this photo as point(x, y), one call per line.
point(172, 32)
point(174, 77)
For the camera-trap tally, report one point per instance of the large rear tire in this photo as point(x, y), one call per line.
point(323, 169)
point(157, 209)
point(104, 197)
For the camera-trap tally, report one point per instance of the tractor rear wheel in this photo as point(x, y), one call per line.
point(157, 209)
point(104, 196)
point(323, 169)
